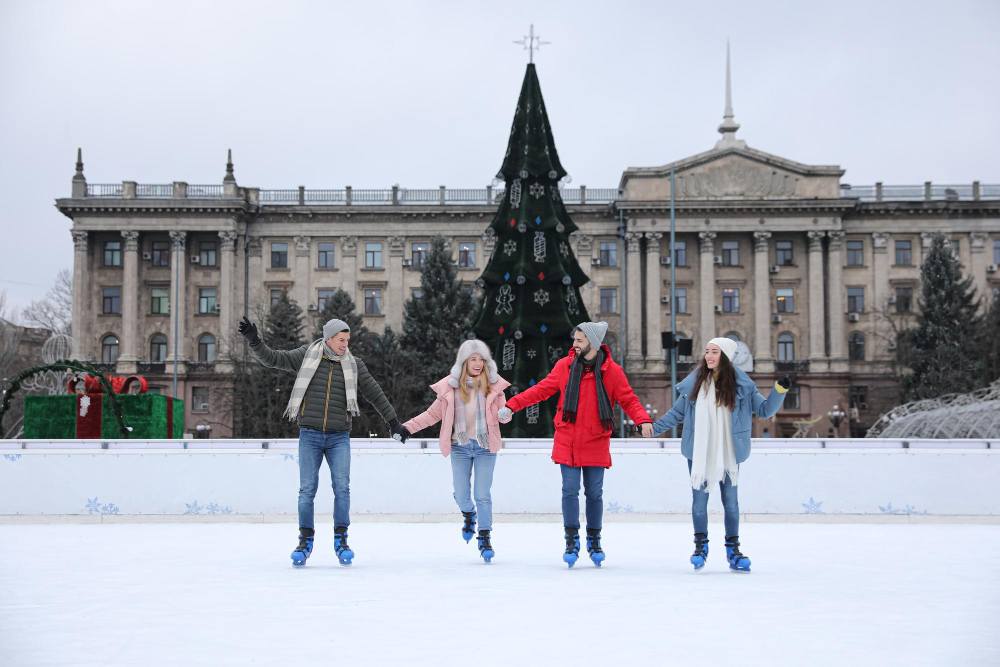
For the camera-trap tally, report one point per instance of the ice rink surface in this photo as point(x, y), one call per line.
point(226, 594)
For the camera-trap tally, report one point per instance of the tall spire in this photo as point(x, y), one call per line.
point(79, 166)
point(229, 168)
point(729, 125)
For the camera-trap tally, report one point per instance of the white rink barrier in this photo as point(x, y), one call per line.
point(246, 478)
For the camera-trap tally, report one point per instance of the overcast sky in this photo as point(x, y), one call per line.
point(368, 94)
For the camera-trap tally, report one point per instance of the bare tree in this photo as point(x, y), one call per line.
point(55, 311)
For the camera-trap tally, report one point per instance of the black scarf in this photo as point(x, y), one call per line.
point(571, 394)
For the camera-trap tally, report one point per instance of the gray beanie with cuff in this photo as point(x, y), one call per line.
point(594, 331)
point(334, 327)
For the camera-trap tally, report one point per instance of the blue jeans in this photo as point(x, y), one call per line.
point(593, 489)
point(730, 505)
point(336, 447)
point(464, 459)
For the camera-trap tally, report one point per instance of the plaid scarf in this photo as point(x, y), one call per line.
point(314, 354)
point(571, 395)
point(461, 430)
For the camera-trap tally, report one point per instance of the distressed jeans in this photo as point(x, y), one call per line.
point(335, 446)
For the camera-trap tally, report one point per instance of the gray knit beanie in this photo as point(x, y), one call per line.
point(594, 331)
point(334, 327)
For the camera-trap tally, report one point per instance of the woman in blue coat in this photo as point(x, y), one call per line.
point(716, 402)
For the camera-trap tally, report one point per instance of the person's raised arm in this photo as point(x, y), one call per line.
point(283, 360)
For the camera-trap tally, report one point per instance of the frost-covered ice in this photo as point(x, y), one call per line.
point(226, 594)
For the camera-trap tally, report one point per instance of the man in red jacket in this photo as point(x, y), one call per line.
point(591, 383)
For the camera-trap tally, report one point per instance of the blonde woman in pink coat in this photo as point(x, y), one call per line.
point(467, 404)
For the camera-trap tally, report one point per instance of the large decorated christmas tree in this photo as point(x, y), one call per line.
point(532, 281)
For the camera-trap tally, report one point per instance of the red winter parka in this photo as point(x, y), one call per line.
point(583, 443)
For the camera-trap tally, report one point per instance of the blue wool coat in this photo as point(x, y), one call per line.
point(749, 402)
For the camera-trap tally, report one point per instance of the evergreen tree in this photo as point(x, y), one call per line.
point(437, 322)
point(341, 306)
point(260, 395)
point(532, 282)
point(990, 343)
point(943, 347)
point(398, 374)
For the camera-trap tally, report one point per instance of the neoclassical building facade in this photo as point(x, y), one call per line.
point(811, 273)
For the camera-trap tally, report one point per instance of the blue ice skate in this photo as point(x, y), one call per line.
point(700, 551)
point(469, 527)
point(344, 553)
point(485, 548)
point(305, 547)
point(737, 561)
point(594, 546)
point(572, 546)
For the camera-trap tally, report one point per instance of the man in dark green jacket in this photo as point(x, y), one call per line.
point(323, 401)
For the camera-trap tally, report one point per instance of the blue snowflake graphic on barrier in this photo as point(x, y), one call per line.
point(615, 508)
point(909, 509)
point(211, 508)
point(95, 507)
point(290, 457)
point(813, 507)
point(12, 457)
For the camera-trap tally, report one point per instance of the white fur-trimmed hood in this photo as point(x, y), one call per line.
point(467, 349)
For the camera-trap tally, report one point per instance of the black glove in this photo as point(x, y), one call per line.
point(249, 331)
point(398, 429)
point(785, 383)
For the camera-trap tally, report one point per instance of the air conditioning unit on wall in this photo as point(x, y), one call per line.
point(776, 319)
point(892, 299)
point(717, 260)
point(665, 298)
point(992, 268)
point(313, 306)
point(595, 262)
point(853, 317)
point(665, 260)
point(147, 255)
point(892, 345)
point(195, 259)
point(718, 309)
point(775, 269)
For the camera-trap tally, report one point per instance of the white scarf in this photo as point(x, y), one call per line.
point(314, 354)
point(461, 430)
point(714, 454)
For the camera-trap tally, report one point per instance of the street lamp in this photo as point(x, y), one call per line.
point(836, 416)
point(651, 411)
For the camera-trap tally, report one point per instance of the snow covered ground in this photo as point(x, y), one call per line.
point(226, 594)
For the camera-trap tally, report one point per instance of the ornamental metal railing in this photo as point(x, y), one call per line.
point(975, 191)
point(154, 191)
point(204, 192)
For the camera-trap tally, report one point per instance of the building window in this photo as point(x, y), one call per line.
point(207, 256)
point(786, 300)
point(856, 347)
point(731, 300)
point(855, 299)
point(609, 300)
point(279, 255)
point(418, 253)
point(161, 301)
point(730, 253)
point(996, 252)
point(326, 255)
point(325, 295)
point(904, 253)
point(276, 296)
point(199, 399)
point(609, 253)
point(786, 347)
point(859, 398)
point(904, 299)
point(206, 300)
point(373, 302)
point(793, 399)
point(611, 341)
point(954, 248)
point(161, 253)
point(680, 253)
point(681, 296)
point(733, 336)
point(416, 294)
point(158, 348)
point(206, 348)
point(109, 349)
point(373, 255)
point(156, 391)
point(112, 301)
point(784, 253)
point(112, 253)
point(466, 255)
point(855, 253)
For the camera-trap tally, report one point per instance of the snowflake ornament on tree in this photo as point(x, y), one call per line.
point(537, 190)
point(564, 249)
point(510, 247)
point(541, 297)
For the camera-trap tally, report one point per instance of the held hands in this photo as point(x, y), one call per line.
point(398, 431)
point(785, 383)
point(504, 413)
point(249, 331)
point(647, 430)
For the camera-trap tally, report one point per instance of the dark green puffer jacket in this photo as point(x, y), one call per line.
point(324, 407)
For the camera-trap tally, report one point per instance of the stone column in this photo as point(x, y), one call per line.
point(838, 340)
point(81, 304)
point(178, 300)
point(880, 292)
point(255, 275)
point(817, 326)
point(395, 293)
point(349, 271)
point(130, 305)
point(633, 266)
point(762, 353)
point(706, 290)
point(227, 297)
point(301, 271)
point(654, 311)
point(980, 256)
